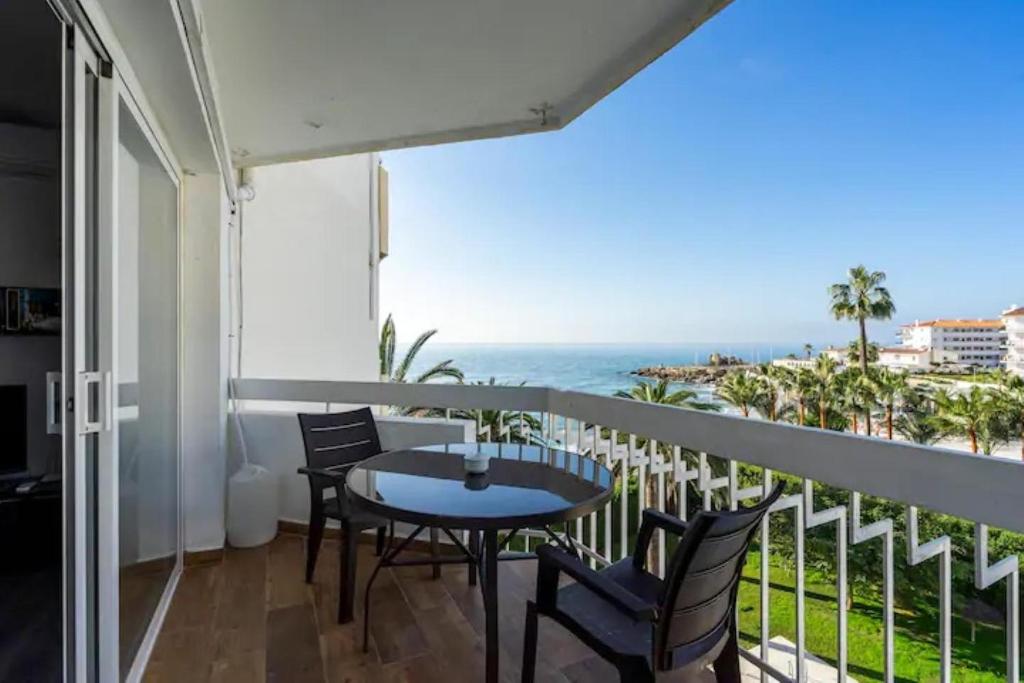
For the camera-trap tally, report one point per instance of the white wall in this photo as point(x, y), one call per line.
point(309, 272)
point(204, 360)
point(275, 442)
point(309, 309)
point(910, 361)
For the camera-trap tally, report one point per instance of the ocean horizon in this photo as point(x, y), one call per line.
point(593, 367)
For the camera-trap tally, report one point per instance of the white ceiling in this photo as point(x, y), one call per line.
point(311, 78)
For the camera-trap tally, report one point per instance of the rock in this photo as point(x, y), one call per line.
point(691, 374)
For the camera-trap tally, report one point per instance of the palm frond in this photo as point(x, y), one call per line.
point(442, 369)
point(410, 355)
point(386, 350)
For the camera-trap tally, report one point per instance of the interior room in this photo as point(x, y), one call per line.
point(30, 341)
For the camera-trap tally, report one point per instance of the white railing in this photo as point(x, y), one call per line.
point(985, 490)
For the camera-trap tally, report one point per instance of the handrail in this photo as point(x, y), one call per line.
point(977, 488)
point(457, 396)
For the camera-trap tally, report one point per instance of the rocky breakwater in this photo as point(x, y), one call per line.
point(691, 374)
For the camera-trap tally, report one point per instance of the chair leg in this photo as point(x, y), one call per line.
point(435, 550)
point(474, 548)
point(727, 665)
point(347, 575)
point(316, 534)
point(530, 643)
point(382, 534)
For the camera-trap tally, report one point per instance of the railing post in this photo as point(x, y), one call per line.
point(796, 503)
point(859, 534)
point(813, 518)
point(765, 576)
point(613, 447)
point(985, 575)
point(624, 498)
point(918, 553)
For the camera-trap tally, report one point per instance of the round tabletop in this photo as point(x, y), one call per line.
point(524, 486)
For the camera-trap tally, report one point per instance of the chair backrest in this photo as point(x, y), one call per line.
point(699, 595)
point(334, 439)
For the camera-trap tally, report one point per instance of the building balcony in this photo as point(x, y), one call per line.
point(251, 616)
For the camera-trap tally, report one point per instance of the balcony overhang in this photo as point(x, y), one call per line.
point(317, 78)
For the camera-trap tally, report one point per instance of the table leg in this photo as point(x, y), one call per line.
point(489, 574)
point(474, 551)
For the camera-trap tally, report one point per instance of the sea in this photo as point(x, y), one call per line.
point(595, 368)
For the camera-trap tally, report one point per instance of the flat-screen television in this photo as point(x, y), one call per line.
point(13, 429)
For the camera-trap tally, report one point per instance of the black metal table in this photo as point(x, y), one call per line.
point(525, 487)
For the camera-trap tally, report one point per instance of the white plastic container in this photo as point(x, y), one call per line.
point(252, 506)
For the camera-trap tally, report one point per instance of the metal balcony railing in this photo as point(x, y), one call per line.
point(727, 460)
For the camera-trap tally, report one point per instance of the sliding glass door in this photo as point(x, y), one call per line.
point(89, 359)
point(126, 398)
point(147, 381)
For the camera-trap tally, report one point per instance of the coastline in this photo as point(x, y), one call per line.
point(690, 374)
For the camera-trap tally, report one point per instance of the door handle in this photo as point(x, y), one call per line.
point(54, 414)
point(93, 398)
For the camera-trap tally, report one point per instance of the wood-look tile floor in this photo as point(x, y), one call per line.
point(253, 618)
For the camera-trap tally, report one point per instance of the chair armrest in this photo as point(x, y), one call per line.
point(652, 520)
point(321, 478)
point(327, 475)
point(553, 561)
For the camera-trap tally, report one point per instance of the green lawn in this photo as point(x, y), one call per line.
point(916, 654)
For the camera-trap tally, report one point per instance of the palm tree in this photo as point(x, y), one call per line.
point(390, 373)
point(801, 387)
point(386, 353)
point(996, 431)
point(824, 384)
point(808, 350)
point(853, 352)
point(742, 389)
point(965, 414)
point(658, 392)
point(502, 425)
point(1011, 396)
point(862, 297)
point(774, 380)
point(891, 386)
point(916, 422)
point(856, 394)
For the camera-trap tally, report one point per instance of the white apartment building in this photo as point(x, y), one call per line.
point(1013, 319)
point(914, 358)
point(968, 342)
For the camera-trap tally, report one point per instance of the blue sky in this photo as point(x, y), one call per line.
point(717, 194)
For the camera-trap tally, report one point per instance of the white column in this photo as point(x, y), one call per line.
point(204, 360)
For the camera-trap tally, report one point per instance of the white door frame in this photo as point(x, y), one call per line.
point(83, 375)
point(107, 555)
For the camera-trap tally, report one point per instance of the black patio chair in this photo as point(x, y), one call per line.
point(641, 624)
point(335, 442)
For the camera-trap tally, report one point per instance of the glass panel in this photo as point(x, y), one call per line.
point(147, 362)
